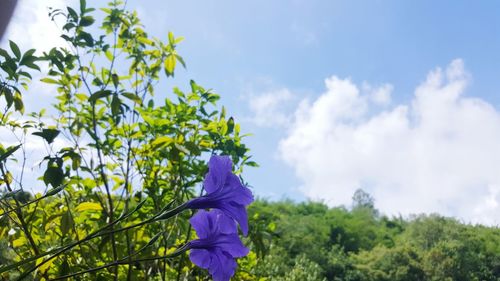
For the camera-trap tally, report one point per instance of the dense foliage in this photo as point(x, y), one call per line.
point(309, 241)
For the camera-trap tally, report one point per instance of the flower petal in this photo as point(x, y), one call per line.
point(238, 213)
point(226, 224)
point(201, 223)
point(241, 194)
point(232, 245)
point(200, 257)
point(222, 266)
point(219, 167)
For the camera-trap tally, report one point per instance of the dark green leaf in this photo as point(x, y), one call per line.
point(115, 80)
point(89, 40)
point(4, 54)
point(99, 94)
point(55, 190)
point(48, 134)
point(230, 125)
point(116, 105)
point(86, 21)
point(83, 6)
point(9, 98)
point(18, 103)
point(72, 13)
point(132, 97)
point(66, 223)
point(64, 269)
point(192, 147)
point(252, 164)
point(9, 152)
point(15, 49)
point(53, 176)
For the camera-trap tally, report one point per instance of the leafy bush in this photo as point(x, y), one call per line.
point(121, 159)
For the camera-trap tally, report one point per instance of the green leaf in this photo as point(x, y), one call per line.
point(49, 81)
point(162, 141)
point(88, 206)
point(72, 13)
point(83, 6)
point(171, 38)
point(18, 103)
point(32, 65)
point(87, 37)
point(192, 147)
point(4, 54)
point(145, 41)
point(99, 94)
point(116, 80)
point(154, 239)
point(29, 53)
point(48, 134)
point(64, 269)
point(86, 21)
point(66, 223)
point(116, 105)
point(181, 60)
point(25, 74)
point(54, 191)
point(109, 55)
point(170, 65)
point(15, 49)
point(9, 98)
point(53, 176)
point(230, 125)
point(9, 152)
point(252, 164)
point(132, 97)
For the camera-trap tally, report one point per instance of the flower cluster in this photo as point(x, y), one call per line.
point(219, 244)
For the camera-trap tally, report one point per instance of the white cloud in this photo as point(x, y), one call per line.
point(439, 153)
point(379, 95)
point(31, 26)
point(269, 108)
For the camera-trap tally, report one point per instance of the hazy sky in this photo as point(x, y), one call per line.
point(399, 98)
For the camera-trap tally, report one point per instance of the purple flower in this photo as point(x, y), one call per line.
point(218, 244)
point(224, 192)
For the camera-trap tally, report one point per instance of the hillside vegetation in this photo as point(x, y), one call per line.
point(310, 241)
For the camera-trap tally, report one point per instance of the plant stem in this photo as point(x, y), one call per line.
point(124, 261)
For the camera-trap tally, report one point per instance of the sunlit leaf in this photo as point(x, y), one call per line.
point(88, 206)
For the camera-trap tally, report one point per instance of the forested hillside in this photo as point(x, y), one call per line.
point(309, 241)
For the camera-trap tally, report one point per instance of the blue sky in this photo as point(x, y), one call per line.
point(332, 89)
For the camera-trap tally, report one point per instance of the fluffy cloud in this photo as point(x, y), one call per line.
point(438, 153)
point(269, 108)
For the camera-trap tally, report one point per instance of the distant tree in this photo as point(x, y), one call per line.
point(362, 199)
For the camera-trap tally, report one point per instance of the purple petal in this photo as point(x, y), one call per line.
point(200, 257)
point(241, 194)
point(226, 224)
point(222, 266)
point(201, 223)
point(233, 246)
point(219, 167)
point(238, 213)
